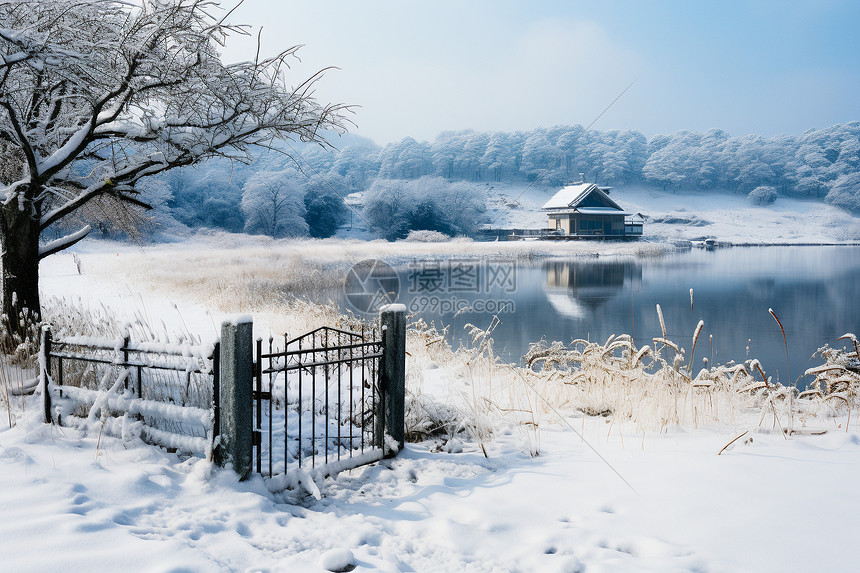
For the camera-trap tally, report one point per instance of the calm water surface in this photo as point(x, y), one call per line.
point(815, 291)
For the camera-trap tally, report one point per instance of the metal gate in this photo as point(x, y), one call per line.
point(317, 402)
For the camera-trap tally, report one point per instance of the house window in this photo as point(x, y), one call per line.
point(587, 225)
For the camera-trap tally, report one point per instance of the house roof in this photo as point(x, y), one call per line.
point(567, 196)
point(575, 196)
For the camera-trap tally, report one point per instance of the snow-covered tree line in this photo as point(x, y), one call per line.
point(274, 199)
point(822, 164)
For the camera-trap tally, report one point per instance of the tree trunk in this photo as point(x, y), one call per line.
point(19, 238)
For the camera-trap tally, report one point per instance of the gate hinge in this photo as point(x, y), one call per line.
point(256, 438)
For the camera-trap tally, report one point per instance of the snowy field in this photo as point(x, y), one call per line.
point(597, 497)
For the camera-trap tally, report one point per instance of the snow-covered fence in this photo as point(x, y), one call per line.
point(334, 399)
point(163, 393)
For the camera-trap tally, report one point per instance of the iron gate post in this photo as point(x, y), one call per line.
point(392, 317)
point(236, 412)
point(45, 373)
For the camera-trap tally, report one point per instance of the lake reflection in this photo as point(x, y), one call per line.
point(814, 290)
point(576, 289)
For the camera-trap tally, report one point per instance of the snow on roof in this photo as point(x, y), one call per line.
point(572, 195)
point(568, 196)
point(600, 211)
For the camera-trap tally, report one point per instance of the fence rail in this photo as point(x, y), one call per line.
point(164, 393)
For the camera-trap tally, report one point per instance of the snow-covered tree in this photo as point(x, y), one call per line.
point(393, 208)
point(204, 196)
point(845, 192)
point(273, 203)
point(326, 211)
point(96, 95)
point(499, 157)
point(539, 156)
point(404, 159)
point(764, 195)
point(387, 208)
point(357, 164)
point(445, 150)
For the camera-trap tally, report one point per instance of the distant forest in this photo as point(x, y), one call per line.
point(411, 184)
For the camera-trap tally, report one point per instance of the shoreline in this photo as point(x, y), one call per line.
point(336, 250)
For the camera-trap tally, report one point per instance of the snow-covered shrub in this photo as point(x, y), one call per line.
point(427, 418)
point(427, 237)
point(764, 195)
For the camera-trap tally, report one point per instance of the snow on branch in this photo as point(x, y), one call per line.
point(58, 245)
point(97, 94)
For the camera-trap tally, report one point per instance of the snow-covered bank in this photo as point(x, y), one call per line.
point(671, 215)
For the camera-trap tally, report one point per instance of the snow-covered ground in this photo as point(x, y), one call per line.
point(72, 501)
point(729, 217)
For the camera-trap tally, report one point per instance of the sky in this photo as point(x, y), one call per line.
point(415, 69)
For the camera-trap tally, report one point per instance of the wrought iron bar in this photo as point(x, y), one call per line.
point(286, 412)
point(339, 399)
point(271, 396)
point(314, 410)
point(301, 401)
point(326, 374)
point(363, 365)
point(258, 376)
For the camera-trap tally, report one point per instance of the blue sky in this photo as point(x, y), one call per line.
point(419, 68)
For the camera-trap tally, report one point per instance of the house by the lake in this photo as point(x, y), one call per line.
point(586, 210)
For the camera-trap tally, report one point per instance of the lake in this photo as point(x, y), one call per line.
point(815, 292)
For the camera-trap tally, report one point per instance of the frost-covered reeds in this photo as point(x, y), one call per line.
point(836, 388)
point(247, 274)
point(651, 388)
point(18, 360)
point(473, 393)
